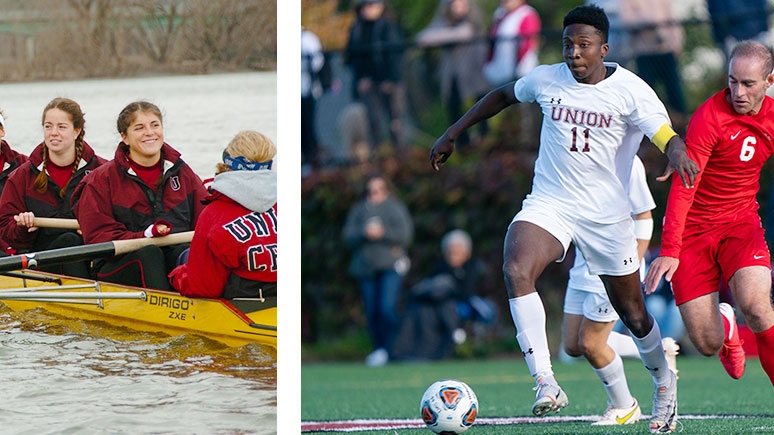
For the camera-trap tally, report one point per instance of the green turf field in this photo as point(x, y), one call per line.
point(710, 402)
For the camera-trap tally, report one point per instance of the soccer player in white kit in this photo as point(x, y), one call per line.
point(589, 317)
point(594, 116)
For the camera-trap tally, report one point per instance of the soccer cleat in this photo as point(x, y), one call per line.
point(671, 350)
point(663, 417)
point(732, 353)
point(377, 358)
point(616, 416)
point(550, 398)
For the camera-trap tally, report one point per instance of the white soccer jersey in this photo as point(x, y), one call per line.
point(640, 200)
point(589, 138)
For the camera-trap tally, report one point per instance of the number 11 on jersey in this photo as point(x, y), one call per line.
point(574, 147)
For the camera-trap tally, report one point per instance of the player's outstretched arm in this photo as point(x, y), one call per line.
point(679, 162)
point(661, 266)
point(488, 106)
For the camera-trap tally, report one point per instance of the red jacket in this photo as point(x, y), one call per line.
point(232, 238)
point(114, 204)
point(19, 195)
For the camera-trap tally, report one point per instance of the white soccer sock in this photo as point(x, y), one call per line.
point(529, 317)
point(623, 345)
point(652, 355)
point(614, 380)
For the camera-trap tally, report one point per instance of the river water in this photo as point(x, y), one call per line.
point(65, 377)
point(201, 113)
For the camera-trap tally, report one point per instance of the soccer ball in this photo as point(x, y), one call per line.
point(449, 407)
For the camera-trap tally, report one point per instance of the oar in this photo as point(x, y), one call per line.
point(66, 296)
point(34, 260)
point(67, 224)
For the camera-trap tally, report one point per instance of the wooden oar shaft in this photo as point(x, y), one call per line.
point(124, 246)
point(68, 224)
point(34, 260)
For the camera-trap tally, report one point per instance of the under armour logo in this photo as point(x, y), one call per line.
point(556, 101)
point(530, 352)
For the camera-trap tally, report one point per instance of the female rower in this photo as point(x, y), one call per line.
point(43, 186)
point(147, 190)
point(10, 159)
point(234, 249)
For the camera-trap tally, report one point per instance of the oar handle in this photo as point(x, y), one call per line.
point(68, 224)
point(129, 245)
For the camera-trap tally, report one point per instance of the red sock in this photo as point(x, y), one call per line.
point(765, 341)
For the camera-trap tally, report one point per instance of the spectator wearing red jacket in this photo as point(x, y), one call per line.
point(234, 248)
point(42, 187)
point(147, 190)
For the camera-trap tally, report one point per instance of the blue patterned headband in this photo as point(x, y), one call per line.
point(242, 164)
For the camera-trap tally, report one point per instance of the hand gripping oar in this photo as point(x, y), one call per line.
point(34, 260)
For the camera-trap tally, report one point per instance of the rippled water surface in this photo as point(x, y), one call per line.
point(67, 376)
point(62, 376)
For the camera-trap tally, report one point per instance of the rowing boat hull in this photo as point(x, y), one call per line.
point(159, 311)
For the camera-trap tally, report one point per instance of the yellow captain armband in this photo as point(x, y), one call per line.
point(661, 138)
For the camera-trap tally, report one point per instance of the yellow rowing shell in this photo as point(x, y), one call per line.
point(232, 322)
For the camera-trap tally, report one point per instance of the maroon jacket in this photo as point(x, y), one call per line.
point(112, 203)
point(12, 160)
point(19, 195)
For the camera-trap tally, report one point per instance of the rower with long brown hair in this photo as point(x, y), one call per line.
point(43, 187)
point(147, 190)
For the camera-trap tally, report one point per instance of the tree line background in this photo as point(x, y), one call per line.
point(65, 39)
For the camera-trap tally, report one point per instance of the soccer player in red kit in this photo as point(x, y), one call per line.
point(713, 231)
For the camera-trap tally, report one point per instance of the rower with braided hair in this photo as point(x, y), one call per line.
point(43, 186)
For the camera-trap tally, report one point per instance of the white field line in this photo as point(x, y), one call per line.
point(389, 424)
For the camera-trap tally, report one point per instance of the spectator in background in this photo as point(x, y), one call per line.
point(618, 37)
point(312, 61)
point(9, 161)
point(514, 41)
point(374, 51)
point(656, 41)
point(441, 303)
point(514, 37)
point(379, 230)
point(458, 29)
point(737, 20)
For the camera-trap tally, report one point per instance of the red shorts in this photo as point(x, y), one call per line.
point(711, 253)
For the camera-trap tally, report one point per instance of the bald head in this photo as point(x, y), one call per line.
point(754, 51)
point(749, 76)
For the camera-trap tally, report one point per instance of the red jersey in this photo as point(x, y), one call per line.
point(730, 150)
point(229, 238)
